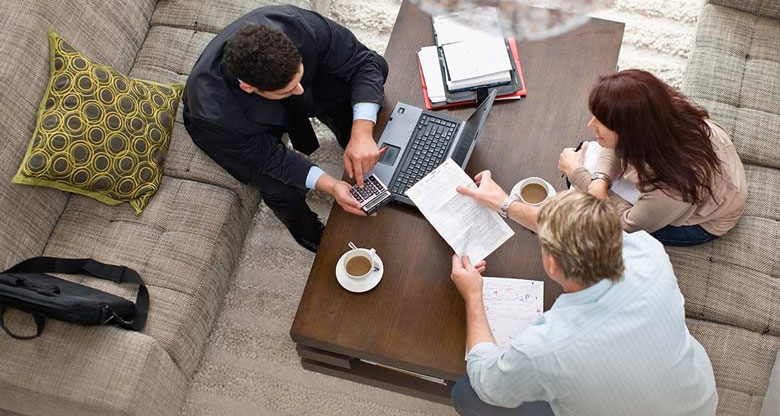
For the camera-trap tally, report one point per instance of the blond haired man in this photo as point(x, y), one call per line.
point(614, 343)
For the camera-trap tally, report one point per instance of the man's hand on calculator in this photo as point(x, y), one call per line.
point(372, 196)
point(340, 191)
point(343, 196)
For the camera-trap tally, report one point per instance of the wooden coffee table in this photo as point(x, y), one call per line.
point(415, 319)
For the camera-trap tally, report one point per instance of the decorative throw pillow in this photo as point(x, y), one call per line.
point(99, 133)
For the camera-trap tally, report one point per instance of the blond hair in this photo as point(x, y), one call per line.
point(583, 234)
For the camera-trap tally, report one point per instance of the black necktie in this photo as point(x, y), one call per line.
point(301, 132)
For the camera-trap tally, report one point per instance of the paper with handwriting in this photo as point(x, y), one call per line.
point(511, 306)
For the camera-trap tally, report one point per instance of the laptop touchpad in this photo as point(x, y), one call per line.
point(389, 156)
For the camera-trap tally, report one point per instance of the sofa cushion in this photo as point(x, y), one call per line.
point(742, 361)
point(167, 55)
point(752, 131)
point(213, 16)
point(101, 367)
point(734, 279)
point(720, 291)
point(111, 35)
point(184, 247)
point(733, 73)
point(99, 133)
point(765, 8)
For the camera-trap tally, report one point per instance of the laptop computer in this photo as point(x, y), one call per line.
point(419, 140)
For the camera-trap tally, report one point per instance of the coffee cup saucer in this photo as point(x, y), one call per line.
point(364, 284)
point(550, 189)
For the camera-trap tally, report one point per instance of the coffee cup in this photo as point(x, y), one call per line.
point(533, 191)
point(359, 262)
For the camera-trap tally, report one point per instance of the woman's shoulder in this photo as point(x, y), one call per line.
point(718, 134)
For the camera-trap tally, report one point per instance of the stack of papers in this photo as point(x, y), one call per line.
point(429, 62)
point(473, 48)
point(511, 306)
point(476, 63)
point(468, 227)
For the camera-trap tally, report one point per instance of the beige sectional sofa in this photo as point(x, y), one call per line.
point(185, 244)
point(732, 285)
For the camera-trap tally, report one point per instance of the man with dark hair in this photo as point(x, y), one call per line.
point(264, 75)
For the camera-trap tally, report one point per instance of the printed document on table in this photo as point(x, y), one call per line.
point(468, 227)
point(511, 306)
point(624, 188)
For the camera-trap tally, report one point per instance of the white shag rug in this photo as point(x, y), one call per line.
point(249, 366)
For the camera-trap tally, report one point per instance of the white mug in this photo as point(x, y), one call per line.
point(364, 252)
point(517, 189)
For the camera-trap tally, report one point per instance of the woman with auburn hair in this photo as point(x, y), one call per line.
point(691, 182)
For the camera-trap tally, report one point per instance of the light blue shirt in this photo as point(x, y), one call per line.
point(365, 111)
point(360, 111)
point(613, 349)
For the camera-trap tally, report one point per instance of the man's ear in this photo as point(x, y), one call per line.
point(246, 87)
point(555, 268)
point(552, 267)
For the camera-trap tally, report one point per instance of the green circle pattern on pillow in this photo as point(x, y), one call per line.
point(99, 133)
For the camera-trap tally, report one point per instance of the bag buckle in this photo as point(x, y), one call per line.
point(111, 316)
point(115, 318)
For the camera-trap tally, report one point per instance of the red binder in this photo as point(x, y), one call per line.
point(520, 93)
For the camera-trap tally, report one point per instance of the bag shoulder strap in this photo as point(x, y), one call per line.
point(40, 323)
point(117, 274)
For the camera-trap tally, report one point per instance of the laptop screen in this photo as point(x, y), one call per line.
point(471, 129)
point(474, 123)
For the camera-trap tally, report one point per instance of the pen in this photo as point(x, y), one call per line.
point(577, 149)
point(579, 146)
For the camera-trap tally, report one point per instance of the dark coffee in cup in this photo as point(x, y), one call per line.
point(533, 193)
point(358, 265)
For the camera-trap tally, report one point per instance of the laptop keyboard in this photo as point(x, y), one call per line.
point(430, 142)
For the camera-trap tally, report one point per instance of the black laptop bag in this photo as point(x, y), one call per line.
point(28, 288)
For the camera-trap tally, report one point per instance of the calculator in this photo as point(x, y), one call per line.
point(372, 196)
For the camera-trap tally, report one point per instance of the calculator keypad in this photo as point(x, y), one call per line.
point(373, 195)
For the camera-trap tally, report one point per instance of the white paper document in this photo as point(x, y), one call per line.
point(477, 58)
point(468, 227)
point(511, 306)
point(429, 62)
point(624, 188)
point(467, 24)
point(473, 45)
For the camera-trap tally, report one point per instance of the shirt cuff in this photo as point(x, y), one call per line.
point(314, 175)
point(365, 111)
point(482, 351)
